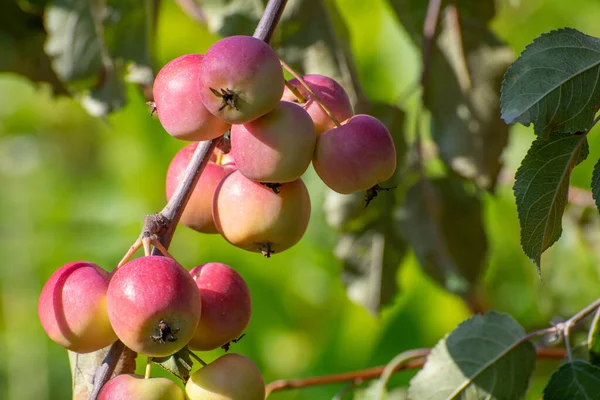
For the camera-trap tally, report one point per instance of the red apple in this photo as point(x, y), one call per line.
point(178, 104)
point(129, 387)
point(331, 93)
point(153, 305)
point(355, 156)
point(197, 213)
point(241, 79)
point(253, 217)
point(276, 147)
point(230, 377)
point(72, 307)
point(226, 306)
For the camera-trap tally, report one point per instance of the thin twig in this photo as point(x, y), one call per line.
point(548, 353)
point(396, 362)
point(197, 358)
point(571, 322)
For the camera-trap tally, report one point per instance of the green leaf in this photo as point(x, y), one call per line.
point(594, 340)
point(554, 83)
point(574, 381)
point(22, 39)
point(93, 43)
point(541, 189)
point(465, 71)
point(596, 184)
point(438, 218)
point(481, 359)
point(179, 364)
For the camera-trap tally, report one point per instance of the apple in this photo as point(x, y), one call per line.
point(72, 307)
point(129, 387)
point(230, 377)
point(226, 305)
point(255, 217)
point(178, 104)
point(153, 305)
point(276, 147)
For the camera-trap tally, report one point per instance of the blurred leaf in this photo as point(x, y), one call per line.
point(574, 381)
point(90, 43)
point(596, 184)
point(438, 218)
point(84, 366)
point(480, 359)
point(179, 364)
point(371, 246)
point(462, 86)
point(554, 83)
point(594, 340)
point(541, 189)
point(22, 37)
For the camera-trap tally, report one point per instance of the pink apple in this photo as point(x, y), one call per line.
point(72, 307)
point(130, 387)
point(153, 305)
point(226, 306)
point(178, 104)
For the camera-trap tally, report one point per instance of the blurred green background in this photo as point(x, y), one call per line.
point(75, 187)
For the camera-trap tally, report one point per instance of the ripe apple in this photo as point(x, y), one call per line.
point(276, 147)
point(178, 105)
point(226, 306)
point(230, 377)
point(197, 213)
point(153, 305)
point(331, 93)
point(241, 79)
point(252, 216)
point(72, 307)
point(128, 387)
point(355, 156)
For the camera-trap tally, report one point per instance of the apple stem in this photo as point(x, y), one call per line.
point(146, 244)
point(219, 160)
point(148, 368)
point(195, 357)
point(295, 91)
point(312, 93)
point(134, 247)
point(157, 244)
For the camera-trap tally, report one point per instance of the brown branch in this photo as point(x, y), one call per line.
point(163, 224)
point(547, 353)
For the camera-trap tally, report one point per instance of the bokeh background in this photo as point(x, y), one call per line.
point(76, 187)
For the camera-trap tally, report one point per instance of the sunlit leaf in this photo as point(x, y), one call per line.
point(179, 364)
point(554, 83)
point(481, 359)
point(541, 189)
point(574, 381)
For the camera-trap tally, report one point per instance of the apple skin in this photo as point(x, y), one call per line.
point(355, 156)
point(230, 377)
point(128, 387)
point(250, 215)
point(197, 214)
point(331, 93)
point(178, 105)
point(276, 147)
point(72, 307)
point(226, 306)
point(248, 67)
point(145, 291)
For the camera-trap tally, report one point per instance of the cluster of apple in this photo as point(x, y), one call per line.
point(254, 195)
point(156, 308)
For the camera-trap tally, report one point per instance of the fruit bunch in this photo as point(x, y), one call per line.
point(254, 195)
point(156, 308)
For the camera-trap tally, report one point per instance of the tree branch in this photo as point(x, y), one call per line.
point(547, 353)
point(164, 223)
